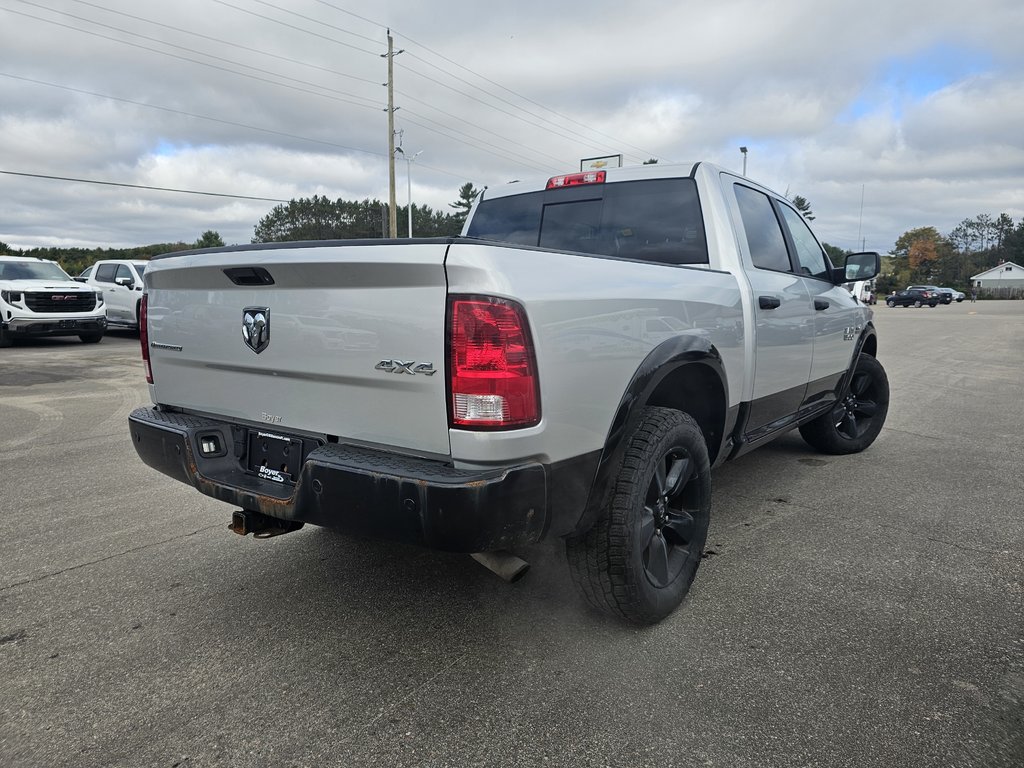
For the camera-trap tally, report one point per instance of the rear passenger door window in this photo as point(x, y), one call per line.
point(764, 235)
point(105, 273)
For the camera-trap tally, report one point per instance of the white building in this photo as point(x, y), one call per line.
point(1005, 275)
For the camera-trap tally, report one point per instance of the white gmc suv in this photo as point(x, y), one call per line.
point(38, 298)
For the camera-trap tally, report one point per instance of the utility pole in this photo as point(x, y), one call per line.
point(392, 204)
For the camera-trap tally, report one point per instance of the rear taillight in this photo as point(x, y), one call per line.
point(492, 370)
point(144, 336)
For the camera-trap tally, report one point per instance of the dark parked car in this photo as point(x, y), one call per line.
point(954, 295)
point(912, 297)
point(939, 293)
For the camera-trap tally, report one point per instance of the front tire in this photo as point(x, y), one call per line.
point(642, 554)
point(855, 421)
point(890, 304)
point(91, 338)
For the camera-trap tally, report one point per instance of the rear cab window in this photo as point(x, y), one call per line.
point(653, 220)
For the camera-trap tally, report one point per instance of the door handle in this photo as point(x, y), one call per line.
point(820, 304)
point(768, 302)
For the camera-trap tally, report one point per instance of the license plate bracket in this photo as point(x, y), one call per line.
point(275, 457)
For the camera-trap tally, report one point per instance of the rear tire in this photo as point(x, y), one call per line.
point(855, 421)
point(917, 304)
point(642, 554)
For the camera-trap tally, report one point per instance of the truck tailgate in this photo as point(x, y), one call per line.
point(355, 330)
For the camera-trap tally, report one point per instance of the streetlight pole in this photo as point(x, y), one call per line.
point(744, 151)
point(408, 176)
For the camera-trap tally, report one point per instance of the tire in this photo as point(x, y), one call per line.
point(855, 421)
point(917, 303)
point(91, 338)
point(890, 304)
point(5, 338)
point(642, 554)
point(932, 305)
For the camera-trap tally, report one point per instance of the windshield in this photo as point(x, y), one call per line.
point(31, 270)
point(653, 220)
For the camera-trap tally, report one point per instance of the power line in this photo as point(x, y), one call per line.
point(472, 125)
point(219, 41)
point(323, 92)
point(218, 120)
point(481, 77)
point(183, 113)
point(194, 61)
point(142, 186)
point(299, 29)
point(514, 115)
point(490, 106)
point(470, 142)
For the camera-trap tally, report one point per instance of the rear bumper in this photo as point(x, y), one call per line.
point(356, 489)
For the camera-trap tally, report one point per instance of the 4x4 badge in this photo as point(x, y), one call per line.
point(403, 366)
point(256, 328)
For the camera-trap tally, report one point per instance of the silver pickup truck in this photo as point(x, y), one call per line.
point(572, 366)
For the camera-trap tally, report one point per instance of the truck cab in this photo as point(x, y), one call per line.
point(122, 284)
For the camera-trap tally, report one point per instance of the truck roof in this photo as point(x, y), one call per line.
point(627, 173)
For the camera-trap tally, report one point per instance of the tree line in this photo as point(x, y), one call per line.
point(924, 255)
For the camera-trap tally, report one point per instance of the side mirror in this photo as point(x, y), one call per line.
point(127, 282)
point(861, 266)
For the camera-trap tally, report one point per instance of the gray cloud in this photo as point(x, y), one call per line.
point(917, 105)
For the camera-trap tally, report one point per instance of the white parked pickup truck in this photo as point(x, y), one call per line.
point(121, 283)
point(572, 366)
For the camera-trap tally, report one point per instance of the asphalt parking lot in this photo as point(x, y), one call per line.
point(852, 611)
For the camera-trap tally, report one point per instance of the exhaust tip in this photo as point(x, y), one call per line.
point(503, 564)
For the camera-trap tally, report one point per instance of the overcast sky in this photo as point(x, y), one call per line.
point(915, 107)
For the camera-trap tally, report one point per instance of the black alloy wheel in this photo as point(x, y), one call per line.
point(855, 420)
point(667, 523)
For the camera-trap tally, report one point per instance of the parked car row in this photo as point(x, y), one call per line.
point(920, 295)
point(946, 295)
point(38, 298)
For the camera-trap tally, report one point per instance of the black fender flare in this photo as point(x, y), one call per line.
point(693, 362)
point(867, 344)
